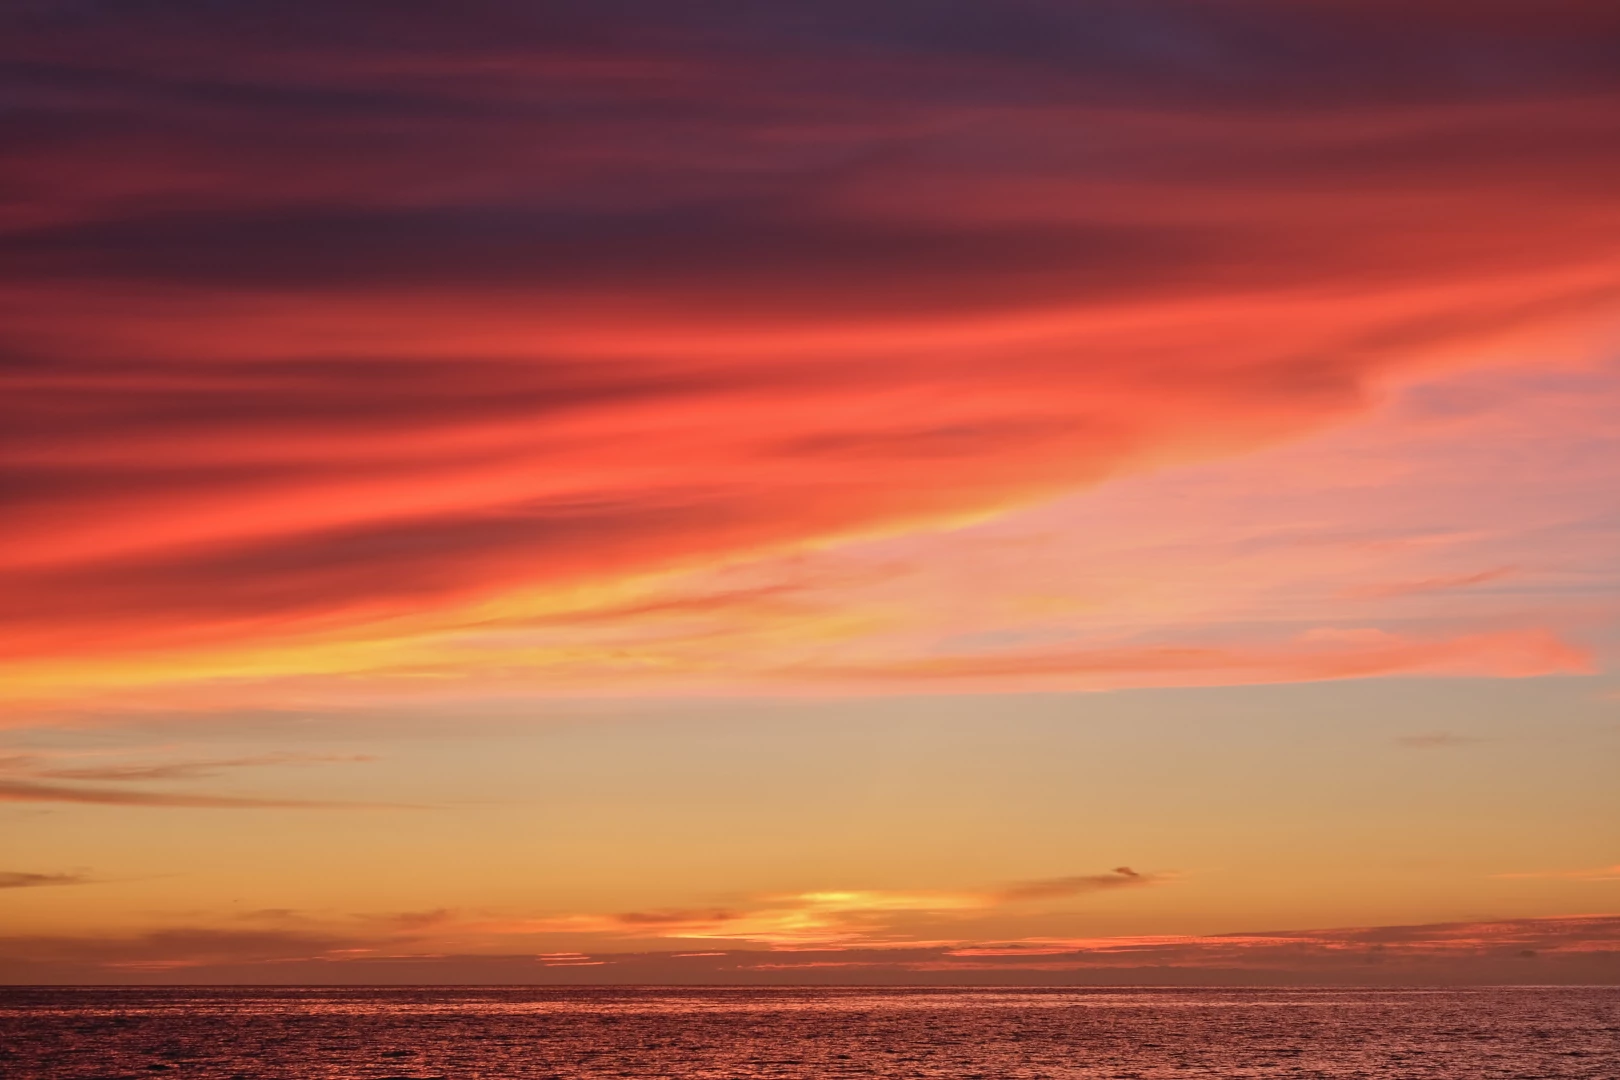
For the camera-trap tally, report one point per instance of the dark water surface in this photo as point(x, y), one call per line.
point(370, 1034)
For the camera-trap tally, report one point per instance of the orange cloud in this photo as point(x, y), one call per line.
point(846, 918)
point(1566, 949)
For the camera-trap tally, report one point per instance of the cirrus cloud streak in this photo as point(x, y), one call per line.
point(322, 333)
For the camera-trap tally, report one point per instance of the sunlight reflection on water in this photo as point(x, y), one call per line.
point(377, 1033)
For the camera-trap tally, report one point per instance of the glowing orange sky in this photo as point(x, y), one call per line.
point(372, 373)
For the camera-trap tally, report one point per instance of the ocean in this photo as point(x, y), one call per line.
point(976, 1034)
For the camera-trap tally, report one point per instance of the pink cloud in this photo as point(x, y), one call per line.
point(1321, 655)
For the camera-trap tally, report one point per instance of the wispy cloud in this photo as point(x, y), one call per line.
point(35, 778)
point(841, 916)
point(25, 791)
point(11, 879)
point(1325, 654)
point(1554, 949)
point(1421, 586)
point(270, 412)
point(1508, 939)
point(1061, 888)
point(187, 770)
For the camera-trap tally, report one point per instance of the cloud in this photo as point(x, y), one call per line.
point(1559, 949)
point(142, 956)
point(846, 917)
point(1428, 585)
point(31, 792)
point(1330, 654)
point(173, 770)
point(11, 879)
point(327, 331)
point(33, 779)
point(1442, 951)
point(1060, 888)
point(659, 920)
point(802, 919)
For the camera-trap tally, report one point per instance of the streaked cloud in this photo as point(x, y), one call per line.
point(1389, 589)
point(1554, 949)
point(1062, 888)
point(1325, 654)
point(27, 791)
point(34, 765)
point(1395, 946)
point(843, 917)
point(395, 369)
point(36, 778)
point(16, 879)
point(292, 384)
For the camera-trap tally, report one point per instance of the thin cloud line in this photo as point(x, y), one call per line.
point(27, 791)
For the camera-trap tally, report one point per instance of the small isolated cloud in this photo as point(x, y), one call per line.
point(1438, 740)
point(1058, 888)
point(12, 879)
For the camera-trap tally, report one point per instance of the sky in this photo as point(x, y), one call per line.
point(1017, 492)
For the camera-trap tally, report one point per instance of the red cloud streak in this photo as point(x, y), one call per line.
point(310, 325)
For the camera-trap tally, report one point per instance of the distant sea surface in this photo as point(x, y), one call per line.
point(373, 1034)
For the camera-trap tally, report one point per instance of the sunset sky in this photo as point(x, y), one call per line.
point(1016, 491)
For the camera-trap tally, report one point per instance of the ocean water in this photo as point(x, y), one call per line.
point(379, 1033)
